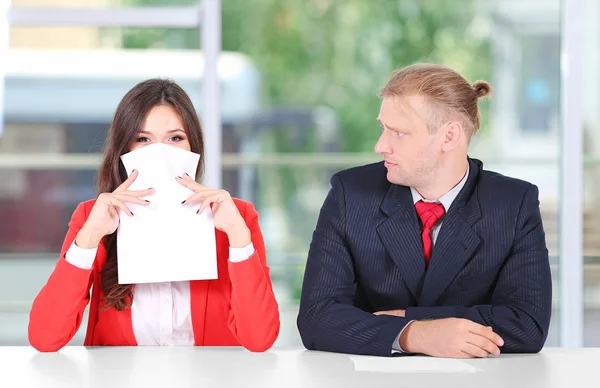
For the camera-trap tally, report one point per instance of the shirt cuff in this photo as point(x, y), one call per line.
point(80, 257)
point(396, 345)
point(237, 255)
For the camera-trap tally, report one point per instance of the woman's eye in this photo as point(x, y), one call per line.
point(177, 138)
point(142, 139)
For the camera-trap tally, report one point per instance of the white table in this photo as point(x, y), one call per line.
point(288, 367)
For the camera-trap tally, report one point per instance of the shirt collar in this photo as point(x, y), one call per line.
point(446, 199)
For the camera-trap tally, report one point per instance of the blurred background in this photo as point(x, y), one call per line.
point(298, 82)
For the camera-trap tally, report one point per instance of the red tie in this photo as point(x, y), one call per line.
point(429, 213)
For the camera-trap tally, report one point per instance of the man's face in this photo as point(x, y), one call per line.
point(410, 152)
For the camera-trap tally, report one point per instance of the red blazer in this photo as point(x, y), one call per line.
point(239, 308)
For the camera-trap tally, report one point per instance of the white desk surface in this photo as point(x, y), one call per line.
point(167, 367)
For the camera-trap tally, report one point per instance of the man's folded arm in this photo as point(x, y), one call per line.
point(328, 319)
point(522, 299)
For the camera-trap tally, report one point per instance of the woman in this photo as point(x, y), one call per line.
point(238, 308)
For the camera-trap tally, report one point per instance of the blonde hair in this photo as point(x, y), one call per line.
point(448, 95)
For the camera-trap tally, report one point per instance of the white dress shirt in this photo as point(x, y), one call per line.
point(446, 200)
point(160, 312)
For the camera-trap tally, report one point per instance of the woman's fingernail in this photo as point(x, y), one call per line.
point(146, 200)
point(198, 211)
point(186, 174)
point(131, 213)
point(179, 177)
point(182, 202)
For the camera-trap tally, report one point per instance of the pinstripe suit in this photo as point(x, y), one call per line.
point(489, 264)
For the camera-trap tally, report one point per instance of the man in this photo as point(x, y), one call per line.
point(427, 252)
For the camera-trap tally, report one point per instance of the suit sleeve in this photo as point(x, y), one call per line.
point(57, 310)
point(254, 314)
point(522, 300)
point(328, 319)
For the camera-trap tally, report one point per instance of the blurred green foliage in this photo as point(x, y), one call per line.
point(338, 53)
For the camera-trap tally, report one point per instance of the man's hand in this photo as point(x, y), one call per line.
point(450, 338)
point(397, 313)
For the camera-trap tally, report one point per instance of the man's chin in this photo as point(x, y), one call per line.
point(395, 179)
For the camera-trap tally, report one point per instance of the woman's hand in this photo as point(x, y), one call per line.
point(226, 216)
point(104, 217)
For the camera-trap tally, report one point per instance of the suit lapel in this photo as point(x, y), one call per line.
point(400, 234)
point(456, 243)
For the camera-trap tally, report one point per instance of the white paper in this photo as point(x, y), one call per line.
point(410, 364)
point(165, 241)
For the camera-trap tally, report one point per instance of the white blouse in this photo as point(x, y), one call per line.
point(161, 312)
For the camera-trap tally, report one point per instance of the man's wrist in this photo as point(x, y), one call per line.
point(410, 339)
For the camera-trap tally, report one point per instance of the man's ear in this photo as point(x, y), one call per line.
point(452, 133)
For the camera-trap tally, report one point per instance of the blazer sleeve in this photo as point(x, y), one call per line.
point(522, 300)
point(328, 319)
point(57, 310)
point(254, 313)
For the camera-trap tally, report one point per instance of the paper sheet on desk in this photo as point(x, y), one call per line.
point(164, 241)
point(410, 364)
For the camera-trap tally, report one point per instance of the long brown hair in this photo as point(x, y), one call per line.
point(449, 94)
point(127, 122)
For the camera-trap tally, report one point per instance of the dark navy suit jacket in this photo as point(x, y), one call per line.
point(489, 263)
